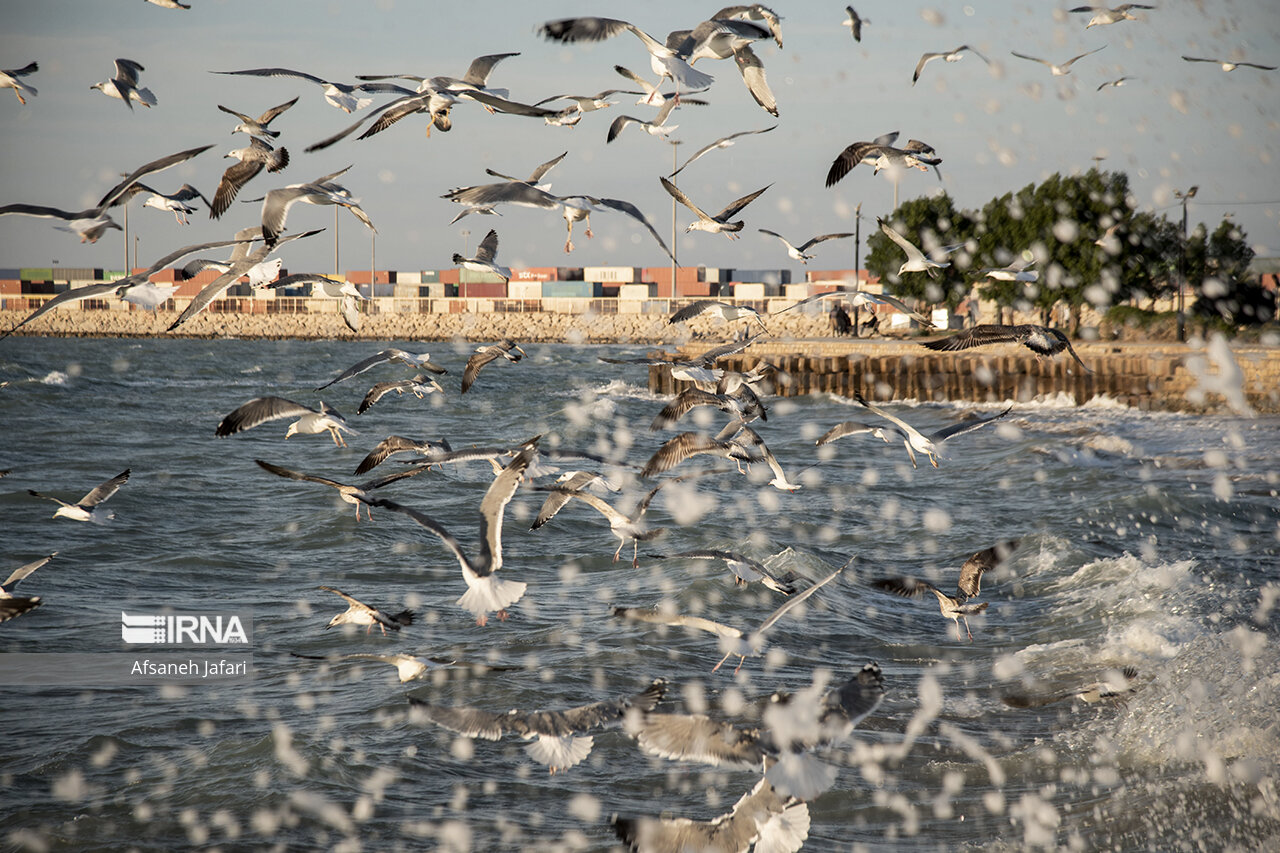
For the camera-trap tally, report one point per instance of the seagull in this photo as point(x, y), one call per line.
point(257, 127)
point(276, 204)
point(244, 260)
point(126, 288)
point(797, 253)
point(742, 403)
point(359, 613)
point(92, 223)
point(722, 142)
point(773, 822)
point(721, 38)
point(745, 570)
point(688, 444)
point(881, 155)
point(419, 385)
point(310, 421)
point(169, 4)
point(486, 354)
point(700, 368)
point(175, 202)
point(854, 22)
point(559, 737)
point(732, 639)
point(386, 356)
point(930, 444)
point(1014, 271)
point(585, 103)
point(718, 224)
point(755, 448)
point(955, 607)
point(393, 444)
point(9, 80)
point(662, 59)
point(485, 591)
point(1057, 70)
point(1104, 16)
point(340, 95)
point(13, 606)
point(252, 159)
point(916, 260)
point(1118, 82)
point(352, 494)
point(1041, 340)
point(88, 507)
point(723, 310)
point(125, 85)
point(753, 12)
point(408, 667)
point(947, 55)
point(436, 103)
point(485, 259)
point(657, 127)
point(1109, 689)
point(1229, 65)
point(476, 78)
point(844, 428)
point(649, 94)
point(861, 299)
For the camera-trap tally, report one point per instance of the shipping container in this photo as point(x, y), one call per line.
point(683, 274)
point(610, 275)
point(36, 273)
point(362, 276)
point(406, 277)
point(639, 292)
point(434, 290)
point(523, 289)
point(449, 276)
point(73, 273)
point(535, 274)
point(599, 290)
point(569, 274)
point(778, 277)
point(661, 289)
point(401, 290)
point(483, 289)
point(748, 290)
point(10, 286)
point(10, 274)
point(697, 288)
point(849, 276)
point(566, 289)
point(430, 277)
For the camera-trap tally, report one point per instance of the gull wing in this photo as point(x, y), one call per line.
point(733, 207)
point(488, 248)
point(257, 411)
point(679, 196)
point(984, 561)
point(21, 573)
point(104, 491)
point(482, 66)
point(906, 245)
point(722, 142)
point(158, 165)
point(822, 239)
point(752, 70)
point(966, 426)
point(795, 601)
point(694, 737)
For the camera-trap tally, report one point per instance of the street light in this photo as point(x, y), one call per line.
point(1182, 260)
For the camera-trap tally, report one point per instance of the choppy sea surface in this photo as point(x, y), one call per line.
point(1148, 540)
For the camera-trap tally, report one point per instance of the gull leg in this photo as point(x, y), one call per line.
point(722, 660)
point(635, 553)
point(503, 615)
point(966, 627)
point(741, 660)
point(619, 551)
point(482, 619)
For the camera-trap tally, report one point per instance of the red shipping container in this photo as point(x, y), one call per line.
point(662, 289)
point(10, 287)
point(695, 288)
point(449, 276)
point(483, 290)
point(362, 277)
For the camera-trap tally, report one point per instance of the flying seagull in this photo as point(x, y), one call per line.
point(947, 56)
point(797, 253)
point(688, 444)
point(88, 508)
point(485, 591)
point(1041, 340)
point(733, 641)
point(174, 202)
point(955, 607)
point(722, 142)
point(753, 12)
point(359, 613)
point(340, 95)
point(1115, 686)
point(485, 260)
point(916, 260)
point(723, 310)
point(393, 444)
point(1016, 270)
point(92, 223)
point(124, 85)
point(854, 22)
point(435, 103)
point(930, 445)
point(251, 160)
point(881, 154)
point(718, 224)
point(743, 404)
point(321, 191)
point(419, 385)
point(762, 816)
point(1231, 65)
point(408, 667)
point(560, 738)
point(386, 356)
point(745, 570)
point(487, 353)
point(309, 421)
point(1058, 70)
point(13, 606)
point(1103, 16)
point(258, 126)
point(352, 494)
point(662, 59)
point(9, 80)
point(656, 127)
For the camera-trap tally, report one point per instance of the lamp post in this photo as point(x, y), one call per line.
point(1182, 261)
point(857, 250)
point(674, 143)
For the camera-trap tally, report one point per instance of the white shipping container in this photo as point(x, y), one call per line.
point(941, 317)
point(636, 291)
point(898, 320)
point(408, 277)
point(748, 290)
point(524, 289)
point(796, 291)
point(610, 275)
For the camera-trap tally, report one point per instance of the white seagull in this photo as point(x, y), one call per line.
point(722, 142)
point(657, 127)
point(13, 606)
point(419, 386)
point(774, 823)
point(309, 421)
point(340, 95)
point(88, 508)
point(718, 224)
point(916, 260)
point(408, 667)
point(947, 56)
point(354, 494)
point(359, 613)
point(930, 445)
point(1231, 65)
point(485, 259)
point(723, 310)
point(175, 202)
point(955, 607)
point(1058, 70)
point(797, 253)
point(258, 126)
point(387, 356)
point(881, 154)
point(854, 22)
point(745, 570)
point(276, 204)
point(861, 299)
point(9, 80)
point(1103, 16)
point(124, 86)
point(486, 592)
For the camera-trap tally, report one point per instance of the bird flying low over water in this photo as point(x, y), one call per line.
point(89, 507)
point(745, 570)
point(487, 353)
point(723, 310)
point(955, 607)
point(359, 613)
point(13, 606)
point(251, 160)
point(560, 738)
point(1058, 70)
point(930, 445)
point(352, 494)
point(486, 592)
point(1041, 340)
point(419, 386)
point(408, 667)
point(386, 356)
point(1115, 686)
point(310, 421)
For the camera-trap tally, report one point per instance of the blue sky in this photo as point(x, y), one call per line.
point(1173, 125)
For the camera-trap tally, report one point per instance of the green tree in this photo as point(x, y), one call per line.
point(929, 223)
point(1217, 273)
